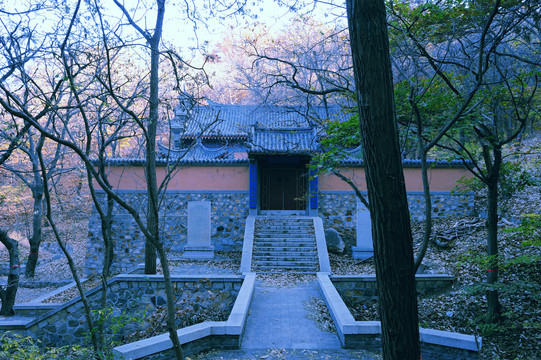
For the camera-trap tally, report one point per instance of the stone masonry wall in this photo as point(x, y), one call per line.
point(356, 288)
point(338, 208)
point(228, 215)
point(428, 351)
point(129, 297)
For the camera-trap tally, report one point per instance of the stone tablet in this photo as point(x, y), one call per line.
point(198, 244)
point(365, 247)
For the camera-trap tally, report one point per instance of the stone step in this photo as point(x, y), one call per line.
point(293, 237)
point(293, 269)
point(286, 219)
point(285, 263)
point(285, 241)
point(284, 234)
point(301, 253)
point(284, 230)
point(264, 260)
point(284, 237)
point(284, 244)
point(283, 227)
point(266, 250)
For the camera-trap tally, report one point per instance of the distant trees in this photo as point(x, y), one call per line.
point(31, 176)
point(294, 66)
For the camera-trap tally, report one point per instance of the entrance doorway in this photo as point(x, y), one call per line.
point(283, 184)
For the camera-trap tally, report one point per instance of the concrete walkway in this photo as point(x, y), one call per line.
point(277, 329)
point(277, 320)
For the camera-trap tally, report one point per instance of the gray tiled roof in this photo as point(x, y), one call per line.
point(283, 141)
point(237, 120)
point(201, 154)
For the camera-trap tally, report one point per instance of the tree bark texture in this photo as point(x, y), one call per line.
point(35, 240)
point(426, 188)
point(493, 303)
point(8, 294)
point(152, 182)
point(391, 231)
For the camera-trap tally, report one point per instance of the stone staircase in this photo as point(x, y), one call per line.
point(284, 244)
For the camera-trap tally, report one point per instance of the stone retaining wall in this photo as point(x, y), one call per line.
point(222, 342)
point(129, 297)
point(372, 342)
point(338, 208)
point(354, 288)
point(228, 214)
point(435, 344)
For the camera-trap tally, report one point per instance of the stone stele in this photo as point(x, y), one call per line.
point(198, 244)
point(365, 247)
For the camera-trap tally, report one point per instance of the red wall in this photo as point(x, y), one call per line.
point(192, 178)
point(440, 179)
point(236, 178)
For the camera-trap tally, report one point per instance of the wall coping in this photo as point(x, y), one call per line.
point(323, 255)
point(372, 277)
point(142, 191)
point(346, 324)
point(247, 245)
point(233, 326)
point(364, 192)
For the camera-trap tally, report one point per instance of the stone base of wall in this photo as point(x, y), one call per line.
point(129, 296)
point(228, 214)
point(372, 342)
point(355, 288)
point(338, 208)
point(223, 342)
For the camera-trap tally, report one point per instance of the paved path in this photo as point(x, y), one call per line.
point(277, 329)
point(277, 320)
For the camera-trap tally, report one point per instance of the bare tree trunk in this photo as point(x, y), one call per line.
point(35, 240)
point(426, 188)
point(71, 263)
point(152, 182)
point(106, 226)
point(9, 293)
point(493, 303)
point(393, 243)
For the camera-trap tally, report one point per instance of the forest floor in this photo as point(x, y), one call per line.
point(461, 308)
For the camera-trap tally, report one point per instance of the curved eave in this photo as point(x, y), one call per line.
point(282, 153)
point(170, 162)
point(214, 137)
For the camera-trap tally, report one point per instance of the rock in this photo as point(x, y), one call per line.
point(158, 301)
point(334, 241)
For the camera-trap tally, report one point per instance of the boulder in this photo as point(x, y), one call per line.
point(334, 241)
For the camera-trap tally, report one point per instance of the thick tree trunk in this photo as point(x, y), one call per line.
point(8, 294)
point(393, 244)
